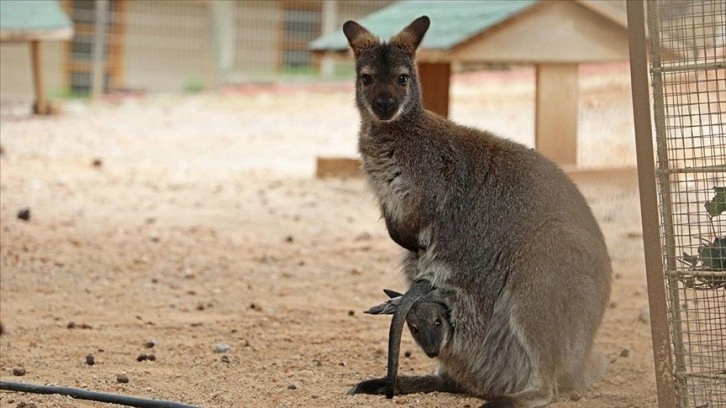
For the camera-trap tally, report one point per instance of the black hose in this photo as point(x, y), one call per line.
point(92, 395)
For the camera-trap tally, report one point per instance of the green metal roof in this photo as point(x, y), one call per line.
point(452, 22)
point(32, 16)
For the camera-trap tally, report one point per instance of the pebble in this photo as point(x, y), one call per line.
point(90, 360)
point(644, 315)
point(226, 359)
point(151, 343)
point(575, 396)
point(407, 354)
point(221, 348)
point(292, 387)
point(24, 214)
point(19, 371)
point(122, 378)
point(625, 353)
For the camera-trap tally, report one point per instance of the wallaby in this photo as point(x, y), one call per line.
point(427, 319)
point(494, 225)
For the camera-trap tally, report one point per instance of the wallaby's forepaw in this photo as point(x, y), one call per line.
point(375, 386)
point(389, 306)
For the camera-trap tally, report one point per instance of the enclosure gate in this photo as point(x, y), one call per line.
point(687, 285)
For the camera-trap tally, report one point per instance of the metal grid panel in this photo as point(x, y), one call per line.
point(688, 68)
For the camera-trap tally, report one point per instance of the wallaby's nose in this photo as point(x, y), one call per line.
point(384, 105)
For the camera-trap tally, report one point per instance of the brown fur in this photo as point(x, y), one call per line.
point(494, 224)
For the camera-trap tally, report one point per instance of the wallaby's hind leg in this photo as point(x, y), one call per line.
point(409, 385)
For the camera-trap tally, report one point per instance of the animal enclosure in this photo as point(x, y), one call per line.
point(688, 73)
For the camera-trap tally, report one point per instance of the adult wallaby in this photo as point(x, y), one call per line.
point(494, 225)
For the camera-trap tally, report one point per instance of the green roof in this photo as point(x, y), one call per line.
point(452, 22)
point(32, 16)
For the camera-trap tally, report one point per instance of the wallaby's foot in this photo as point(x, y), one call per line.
point(409, 385)
point(375, 386)
point(501, 402)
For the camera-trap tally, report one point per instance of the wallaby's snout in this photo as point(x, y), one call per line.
point(384, 106)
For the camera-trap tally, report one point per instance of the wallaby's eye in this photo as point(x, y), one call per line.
point(366, 79)
point(437, 322)
point(403, 79)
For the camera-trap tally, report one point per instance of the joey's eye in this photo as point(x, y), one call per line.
point(403, 79)
point(366, 79)
point(437, 322)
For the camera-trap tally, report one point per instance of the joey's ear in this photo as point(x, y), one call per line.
point(410, 38)
point(358, 37)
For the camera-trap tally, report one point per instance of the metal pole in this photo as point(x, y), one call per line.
point(649, 205)
point(99, 48)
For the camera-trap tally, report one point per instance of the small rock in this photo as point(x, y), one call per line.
point(151, 357)
point(122, 378)
point(317, 363)
point(292, 387)
point(24, 214)
point(221, 348)
point(26, 405)
point(225, 359)
point(141, 357)
point(151, 343)
point(97, 163)
point(364, 236)
point(407, 354)
point(575, 396)
point(351, 312)
point(644, 315)
point(90, 360)
point(289, 239)
point(400, 400)
point(19, 371)
point(625, 353)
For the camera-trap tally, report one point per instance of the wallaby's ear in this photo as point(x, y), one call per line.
point(358, 37)
point(410, 38)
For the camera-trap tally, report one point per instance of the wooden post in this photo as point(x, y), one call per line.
point(40, 107)
point(435, 80)
point(330, 24)
point(556, 112)
point(99, 49)
point(660, 332)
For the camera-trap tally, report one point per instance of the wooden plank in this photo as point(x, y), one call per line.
point(435, 83)
point(337, 167)
point(556, 112)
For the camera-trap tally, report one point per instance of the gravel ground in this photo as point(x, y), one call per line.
point(191, 228)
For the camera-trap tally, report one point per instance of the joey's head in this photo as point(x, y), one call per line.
point(387, 86)
point(430, 326)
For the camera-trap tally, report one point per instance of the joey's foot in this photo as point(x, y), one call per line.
point(501, 402)
point(375, 386)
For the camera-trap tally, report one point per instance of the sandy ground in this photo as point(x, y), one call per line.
point(201, 224)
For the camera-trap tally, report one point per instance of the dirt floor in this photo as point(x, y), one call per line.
point(193, 224)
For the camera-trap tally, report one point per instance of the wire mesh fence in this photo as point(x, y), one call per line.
point(688, 69)
point(189, 45)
